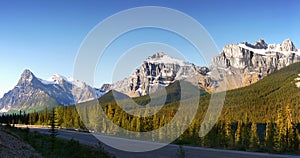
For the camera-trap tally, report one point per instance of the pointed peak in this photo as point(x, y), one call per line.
point(26, 77)
point(27, 74)
point(288, 45)
point(287, 40)
point(261, 44)
point(261, 41)
point(27, 71)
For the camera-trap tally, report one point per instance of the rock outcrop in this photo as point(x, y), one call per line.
point(245, 63)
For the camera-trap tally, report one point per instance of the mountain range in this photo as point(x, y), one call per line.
point(245, 64)
point(35, 93)
point(242, 64)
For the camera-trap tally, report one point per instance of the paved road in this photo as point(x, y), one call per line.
point(169, 151)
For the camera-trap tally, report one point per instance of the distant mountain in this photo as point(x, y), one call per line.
point(238, 64)
point(245, 63)
point(157, 72)
point(35, 93)
point(258, 102)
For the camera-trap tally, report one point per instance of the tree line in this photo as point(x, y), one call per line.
point(65, 116)
point(279, 135)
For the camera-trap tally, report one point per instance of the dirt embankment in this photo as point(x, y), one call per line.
point(12, 147)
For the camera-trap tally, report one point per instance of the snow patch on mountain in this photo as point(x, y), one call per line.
point(162, 58)
point(269, 51)
point(257, 51)
point(57, 79)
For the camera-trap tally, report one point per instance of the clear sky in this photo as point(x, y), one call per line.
point(44, 36)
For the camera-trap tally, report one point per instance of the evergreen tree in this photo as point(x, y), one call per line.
point(254, 140)
point(269, 137)
point(238, 136)
point(246, 133)
point(53, 130)
point(280, 132)
point(229, 134)
point(292, 138)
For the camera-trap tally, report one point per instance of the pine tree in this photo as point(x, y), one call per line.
point(238, 136)
point(269, 137)
point(292, 138)
point(229, 135)
point(45, 119)
point(53, 131)
point(254, 140)
point(280, 132)
point(246, 133)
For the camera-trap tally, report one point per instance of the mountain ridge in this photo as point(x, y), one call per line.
point(245, 63)
point(238, 65)
point(33, 92)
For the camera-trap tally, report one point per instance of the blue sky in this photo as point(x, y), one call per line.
point(44, 36)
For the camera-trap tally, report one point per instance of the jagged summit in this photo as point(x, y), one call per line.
point(161, 57)
point(157, 55)
point(156, 72)
point(246, 63)
point(26, 77)
point(261, 44)
point(26, 71)
point(288, 45)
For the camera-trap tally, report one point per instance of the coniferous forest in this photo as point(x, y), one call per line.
point(261, 117)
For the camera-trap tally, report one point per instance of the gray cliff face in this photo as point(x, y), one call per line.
point(33, 92)
point(157, 72)
point(245, 64)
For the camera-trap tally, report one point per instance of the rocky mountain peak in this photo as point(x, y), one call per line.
point(261, 44)
point(245, 63)
point(157, 55)
point(162, 58)
point(157, 71)
point(288, 45)
point(27, 74)
point(26, 77)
